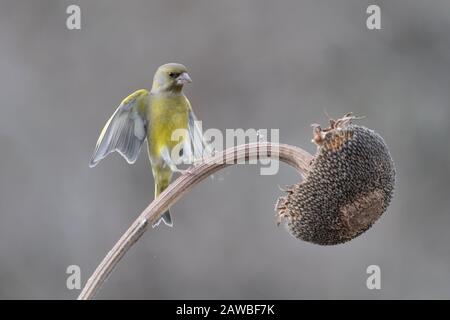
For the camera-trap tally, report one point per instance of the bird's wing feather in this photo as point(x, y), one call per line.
point(200, 145)
point(125, 131)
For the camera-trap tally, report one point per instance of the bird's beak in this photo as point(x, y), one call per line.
point(184, 78)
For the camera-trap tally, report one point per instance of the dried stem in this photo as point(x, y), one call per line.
point(294, 156)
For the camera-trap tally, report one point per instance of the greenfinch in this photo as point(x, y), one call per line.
point(155, 116)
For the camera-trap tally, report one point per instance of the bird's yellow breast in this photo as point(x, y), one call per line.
point(166, 114)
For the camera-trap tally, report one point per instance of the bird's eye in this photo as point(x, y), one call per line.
point(173, 74)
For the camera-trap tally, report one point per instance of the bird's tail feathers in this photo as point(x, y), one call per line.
point(166, 218)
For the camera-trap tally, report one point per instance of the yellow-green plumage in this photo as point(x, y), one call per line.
point(154, 116)
point(166, 113)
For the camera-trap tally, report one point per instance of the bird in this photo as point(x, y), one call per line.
point(164, 117)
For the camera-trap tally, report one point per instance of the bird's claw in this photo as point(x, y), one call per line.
point(182, 171)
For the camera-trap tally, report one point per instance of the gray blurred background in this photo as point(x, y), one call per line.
point(255, 64)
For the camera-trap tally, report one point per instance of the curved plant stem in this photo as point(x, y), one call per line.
point(294, 156)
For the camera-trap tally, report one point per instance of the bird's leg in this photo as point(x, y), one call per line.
point(182, 171)
point(174, 168)
point(169, 162)
point(188, 156)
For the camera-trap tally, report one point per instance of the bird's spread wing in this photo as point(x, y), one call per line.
point(125, 131)
point(201, 148)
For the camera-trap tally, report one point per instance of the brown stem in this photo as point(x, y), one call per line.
point(294, 156)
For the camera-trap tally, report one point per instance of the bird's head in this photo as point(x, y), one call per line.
point(170, 77)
